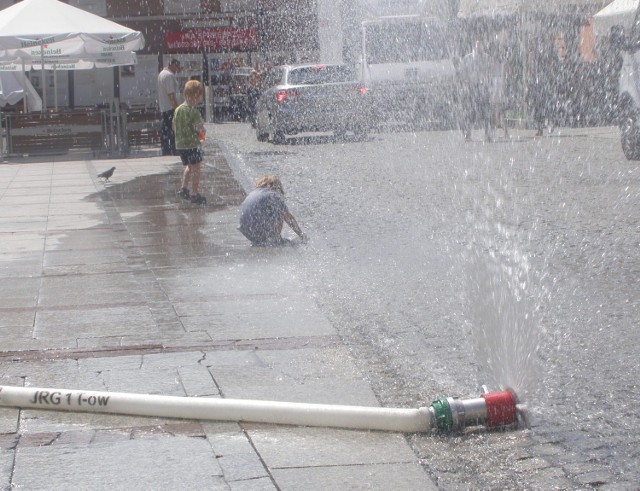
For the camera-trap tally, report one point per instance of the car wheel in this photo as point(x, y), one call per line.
point(261, 135)
point(340, 133)
point(361, 132)
point(630, 137)
point(278, 138)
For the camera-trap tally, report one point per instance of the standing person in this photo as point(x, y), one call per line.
point(498, 70)
point(540, 90)
point(475, 81)
point(264, 212)
point(190, 131)
point(168, 101)
point(253, 94)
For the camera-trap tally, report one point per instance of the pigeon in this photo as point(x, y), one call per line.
point(107, 174)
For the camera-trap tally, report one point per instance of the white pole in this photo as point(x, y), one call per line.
point(55, 88)
point(43, 81)
point(288, 413)
point(23, 82)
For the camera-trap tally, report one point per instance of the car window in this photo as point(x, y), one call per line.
point(320, 74)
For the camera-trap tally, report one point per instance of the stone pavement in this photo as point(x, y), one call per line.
point(119, 286)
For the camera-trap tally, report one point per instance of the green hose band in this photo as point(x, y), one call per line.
point(444, 418)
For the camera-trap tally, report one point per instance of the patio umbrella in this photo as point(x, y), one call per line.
point(618, 12)
point(50, 33)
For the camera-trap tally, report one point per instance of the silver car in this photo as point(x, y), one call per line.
point(311, 98)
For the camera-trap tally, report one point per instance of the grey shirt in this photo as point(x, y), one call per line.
point(262, 215)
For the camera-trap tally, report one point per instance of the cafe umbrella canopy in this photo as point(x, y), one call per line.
point(49, 34)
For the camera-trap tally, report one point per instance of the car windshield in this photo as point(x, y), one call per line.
point(320, 74)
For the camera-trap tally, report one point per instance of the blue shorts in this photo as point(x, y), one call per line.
point(190, 156)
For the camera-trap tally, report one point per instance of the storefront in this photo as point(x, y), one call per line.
point(221, 58)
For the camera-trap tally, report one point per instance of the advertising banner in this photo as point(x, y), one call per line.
point(218, 39)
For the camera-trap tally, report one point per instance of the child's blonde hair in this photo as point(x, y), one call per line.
point(271, 182)
point(192, 89)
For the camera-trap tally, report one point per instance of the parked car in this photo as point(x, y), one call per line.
point(626, 55)
point(311, 98)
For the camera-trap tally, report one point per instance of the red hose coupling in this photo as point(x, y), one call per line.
point(501, 408)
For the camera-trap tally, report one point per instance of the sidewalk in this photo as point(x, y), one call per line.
point(121, 287)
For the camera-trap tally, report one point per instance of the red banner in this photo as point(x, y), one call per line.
point(218, 39)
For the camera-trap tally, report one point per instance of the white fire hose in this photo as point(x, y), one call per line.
point(491, 409)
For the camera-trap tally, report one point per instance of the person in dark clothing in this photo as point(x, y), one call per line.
point(474, 82)
point(253, 94)
point(168, 101)
point(264, 212)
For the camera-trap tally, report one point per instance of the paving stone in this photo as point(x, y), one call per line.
point(231, 359)
point(531, 464)
point(197, 381)
point(314, 363)
point(269, 384)
point(260, 484)
point(618, 486)
point(9, 418)
point(405, 477)
point(173, 335)
point(106, 289)
point(596, 478)
point(227, 438)
point(241, 467)
point(105, 321)
point(39, 421)
point(19, 326)
point(15, 264)
point(144, 381)
point(102, 364)
point(6, 467)
point(313, 447)
point(552, 478)
point(128, 464)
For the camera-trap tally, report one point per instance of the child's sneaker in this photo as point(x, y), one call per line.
point(184, 193)
point(198, 199)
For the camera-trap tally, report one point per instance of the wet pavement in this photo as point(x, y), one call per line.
point(524, 249)
point(119, 286)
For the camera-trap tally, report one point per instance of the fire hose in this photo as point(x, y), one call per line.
point(446, 414)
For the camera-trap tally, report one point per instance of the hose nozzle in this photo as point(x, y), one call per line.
point(492, 409)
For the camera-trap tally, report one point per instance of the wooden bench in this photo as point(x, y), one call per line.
point(143, 127)
point(56, 133)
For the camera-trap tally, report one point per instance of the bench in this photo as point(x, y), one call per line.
point(143, 127)
point(56, 133)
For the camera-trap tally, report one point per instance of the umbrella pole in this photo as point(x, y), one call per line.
point(55, 88)
point(25, 99)
point(43, 80)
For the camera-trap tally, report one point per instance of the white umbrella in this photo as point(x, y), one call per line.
point(14, 86)
point(11, 90)
point(62, 30)
point(618, 12)
point(70, 62)
point(50, 33)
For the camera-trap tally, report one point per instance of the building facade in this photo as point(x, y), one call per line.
point(211, 38)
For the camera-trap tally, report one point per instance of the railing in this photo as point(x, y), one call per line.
point(106, 131)
point(142, 128)
point(51, 133)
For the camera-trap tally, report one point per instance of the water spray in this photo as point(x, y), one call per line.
point(491, 410)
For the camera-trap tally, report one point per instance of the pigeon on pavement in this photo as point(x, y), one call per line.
point(107, 174)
